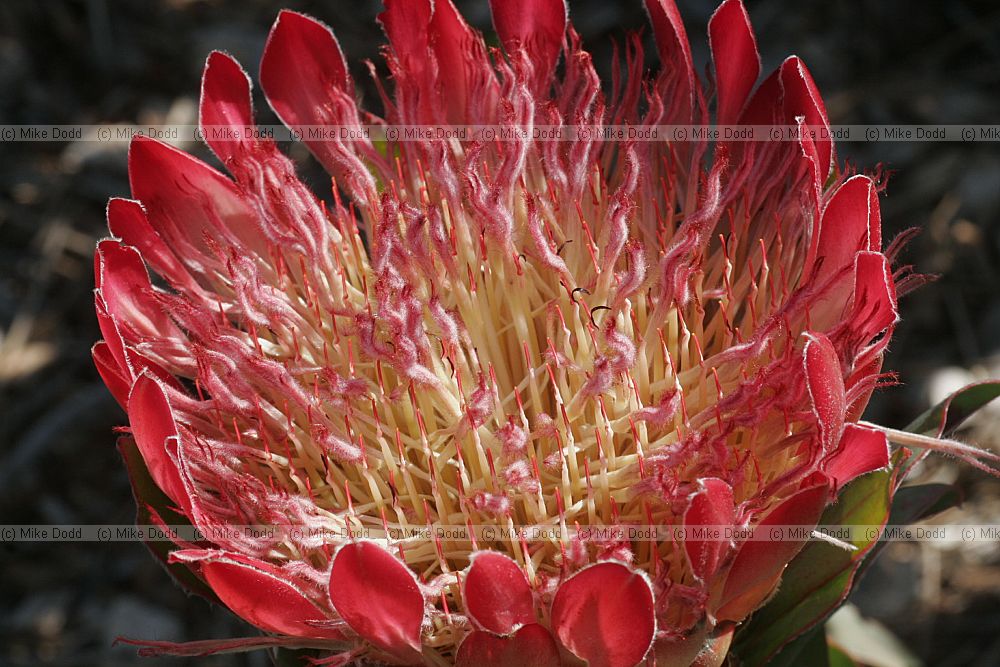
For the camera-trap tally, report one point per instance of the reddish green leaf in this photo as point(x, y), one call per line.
point(911, 504)
point(944, 418)
point(837, 657)
point(206, 647)
point(920, 501)
point(808, 649)
point(948, 415)
point(818, 580)
point(152, 504)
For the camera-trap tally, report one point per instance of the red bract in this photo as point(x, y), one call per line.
point(503, 334)
point(604, 614)
point(497, 594)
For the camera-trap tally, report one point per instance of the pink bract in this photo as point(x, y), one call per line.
point(510, 334)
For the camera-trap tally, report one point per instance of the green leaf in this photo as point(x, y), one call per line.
point(944, 418)
point(813, 649)
point(818, 580)
point(909, 505)
point(920, 501)
point(808, 649)
point(821, 577)
point(152, 503)
point(836, 657)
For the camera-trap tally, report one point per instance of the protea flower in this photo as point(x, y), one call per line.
point(509, 333)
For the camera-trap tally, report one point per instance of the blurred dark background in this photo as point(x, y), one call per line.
point(133, 61)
